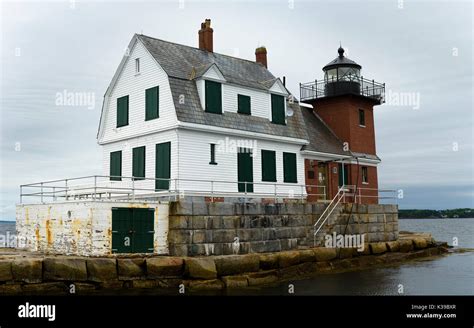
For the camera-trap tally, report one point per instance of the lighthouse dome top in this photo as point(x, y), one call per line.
point(341, 61)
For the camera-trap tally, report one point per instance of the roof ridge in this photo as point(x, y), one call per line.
point(218, 53)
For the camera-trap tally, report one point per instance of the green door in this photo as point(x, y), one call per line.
point(245, 170)
point(122, 230)
point(163, 165)
point(132, 230)
point(142, 238)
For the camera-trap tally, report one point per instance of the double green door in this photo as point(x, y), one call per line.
point(132, 230)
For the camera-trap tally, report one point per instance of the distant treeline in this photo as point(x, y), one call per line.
point(421, 214)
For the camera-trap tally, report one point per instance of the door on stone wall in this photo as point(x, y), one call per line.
point(245, 170)
point(323, 185)
point(132, 230)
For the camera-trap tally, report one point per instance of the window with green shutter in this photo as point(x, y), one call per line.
point(115, 166)
point(213, 97)
point(243, 104)
point(152, 97)
point(138, 163)
point(278, 109)
point(122, 111)
point(268, 166)
point(289, 167)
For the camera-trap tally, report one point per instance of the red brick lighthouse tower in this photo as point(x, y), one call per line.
point(345, 101)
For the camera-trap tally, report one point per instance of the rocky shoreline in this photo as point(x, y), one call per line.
point(32, 273)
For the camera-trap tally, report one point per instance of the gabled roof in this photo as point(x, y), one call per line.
point(179, 61)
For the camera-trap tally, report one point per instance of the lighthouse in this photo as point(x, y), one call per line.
point(344, 100)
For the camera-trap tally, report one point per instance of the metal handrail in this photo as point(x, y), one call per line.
point(317, 88)
point(100, 187)
point(332, 205)
point(102, 184)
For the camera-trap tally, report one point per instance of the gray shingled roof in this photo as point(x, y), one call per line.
point(190, 111)
point(182, 62)
point(321, 137)
point(179, 61)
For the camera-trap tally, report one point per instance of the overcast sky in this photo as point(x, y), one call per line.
point(419, 48)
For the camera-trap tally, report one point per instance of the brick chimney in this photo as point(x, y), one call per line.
point(261, 56)
point(205, 36)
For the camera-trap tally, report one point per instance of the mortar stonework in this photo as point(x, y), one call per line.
point(240, 228)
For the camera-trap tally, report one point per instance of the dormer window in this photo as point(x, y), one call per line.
point(243, 104)
point(137, 65)
point(278, 109)
point(213, 96)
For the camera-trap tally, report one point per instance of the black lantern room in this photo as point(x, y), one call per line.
point(341, 76)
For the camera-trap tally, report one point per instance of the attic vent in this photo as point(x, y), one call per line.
point(137, 65)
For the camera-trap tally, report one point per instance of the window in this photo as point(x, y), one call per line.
point(243, 104)
point(361, 117)
point(137, 65)
point(365, 176)
point(289, 167)
point(268, 166)
point(152, 97)
point(213, 155)
point(213, 95)
point(278, 109)
point(138, 163)
point(343, 174)
point(115, 171)
point(122, 111)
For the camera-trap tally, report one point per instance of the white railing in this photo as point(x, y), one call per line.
point(101, 187)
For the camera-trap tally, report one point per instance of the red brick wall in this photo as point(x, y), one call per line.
point(341, 114)
point(333, 182)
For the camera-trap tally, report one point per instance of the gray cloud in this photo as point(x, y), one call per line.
point(78, 50)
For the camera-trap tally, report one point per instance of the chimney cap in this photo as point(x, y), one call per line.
point(261, 50)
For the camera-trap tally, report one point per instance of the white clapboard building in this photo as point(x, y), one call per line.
point(185, 119)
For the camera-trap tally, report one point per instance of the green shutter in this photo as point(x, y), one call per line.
point(213, 97)
point(289, 167)
point(278, 109)
point(143, 230)
point(244, 170)
point(163, 165)
point(268, 166)
point(115, 166)
point(122, 230)
point(138, 163)
point(243, 104)
point(122, 111)
point(152, 97)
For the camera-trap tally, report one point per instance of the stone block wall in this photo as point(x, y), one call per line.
point(198, 228)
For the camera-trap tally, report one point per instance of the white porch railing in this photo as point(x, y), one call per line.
point(100, 187)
